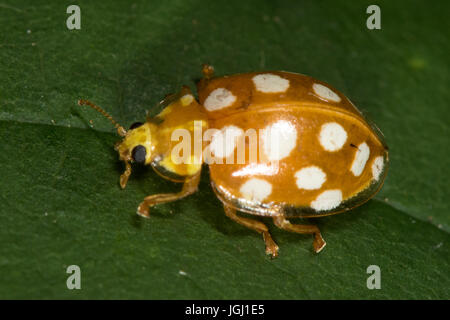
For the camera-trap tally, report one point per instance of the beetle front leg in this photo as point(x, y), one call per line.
point(126, 174)
point(318, 243)
point(189, 187)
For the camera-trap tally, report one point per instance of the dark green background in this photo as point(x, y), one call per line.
point(60, 199)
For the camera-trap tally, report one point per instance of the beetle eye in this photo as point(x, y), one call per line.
point(136, 125)
point(138, 154)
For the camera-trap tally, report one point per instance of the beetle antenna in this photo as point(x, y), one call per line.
point(120, 130)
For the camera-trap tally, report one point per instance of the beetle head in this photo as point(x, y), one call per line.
point(136, 145)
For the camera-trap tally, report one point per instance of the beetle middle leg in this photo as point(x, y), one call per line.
point(189, 187)
point(271, 246)
point(208, 71)
point(318, 244)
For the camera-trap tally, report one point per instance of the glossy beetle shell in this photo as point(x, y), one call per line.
point(328, 160)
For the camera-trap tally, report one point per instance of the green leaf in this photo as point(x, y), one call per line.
point(61, 203)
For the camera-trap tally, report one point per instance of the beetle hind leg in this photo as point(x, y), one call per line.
point(271, 246)
point(318, 243)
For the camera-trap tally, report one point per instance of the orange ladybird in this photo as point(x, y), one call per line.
point(278, 144)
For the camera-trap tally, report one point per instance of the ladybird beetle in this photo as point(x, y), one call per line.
point(315, 153)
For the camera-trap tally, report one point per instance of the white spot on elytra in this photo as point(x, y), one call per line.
point(218, 99)
point(186, 99)
point(327, 200)
point(270, 83)
point(224, 142)
point(377, 167)
point(325, 93)
point(310, 178)
point(279, 139)
point(332, 136)
point(256, 189)
point(361, 157)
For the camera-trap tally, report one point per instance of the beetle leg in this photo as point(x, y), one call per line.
point(207, 71)
point(271, 246)
point(126, 174)
point(189, 187)
point(318, 243)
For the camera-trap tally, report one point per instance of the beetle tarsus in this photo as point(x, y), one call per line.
point(318, 243)
point(143, 210)
point(271, 247)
